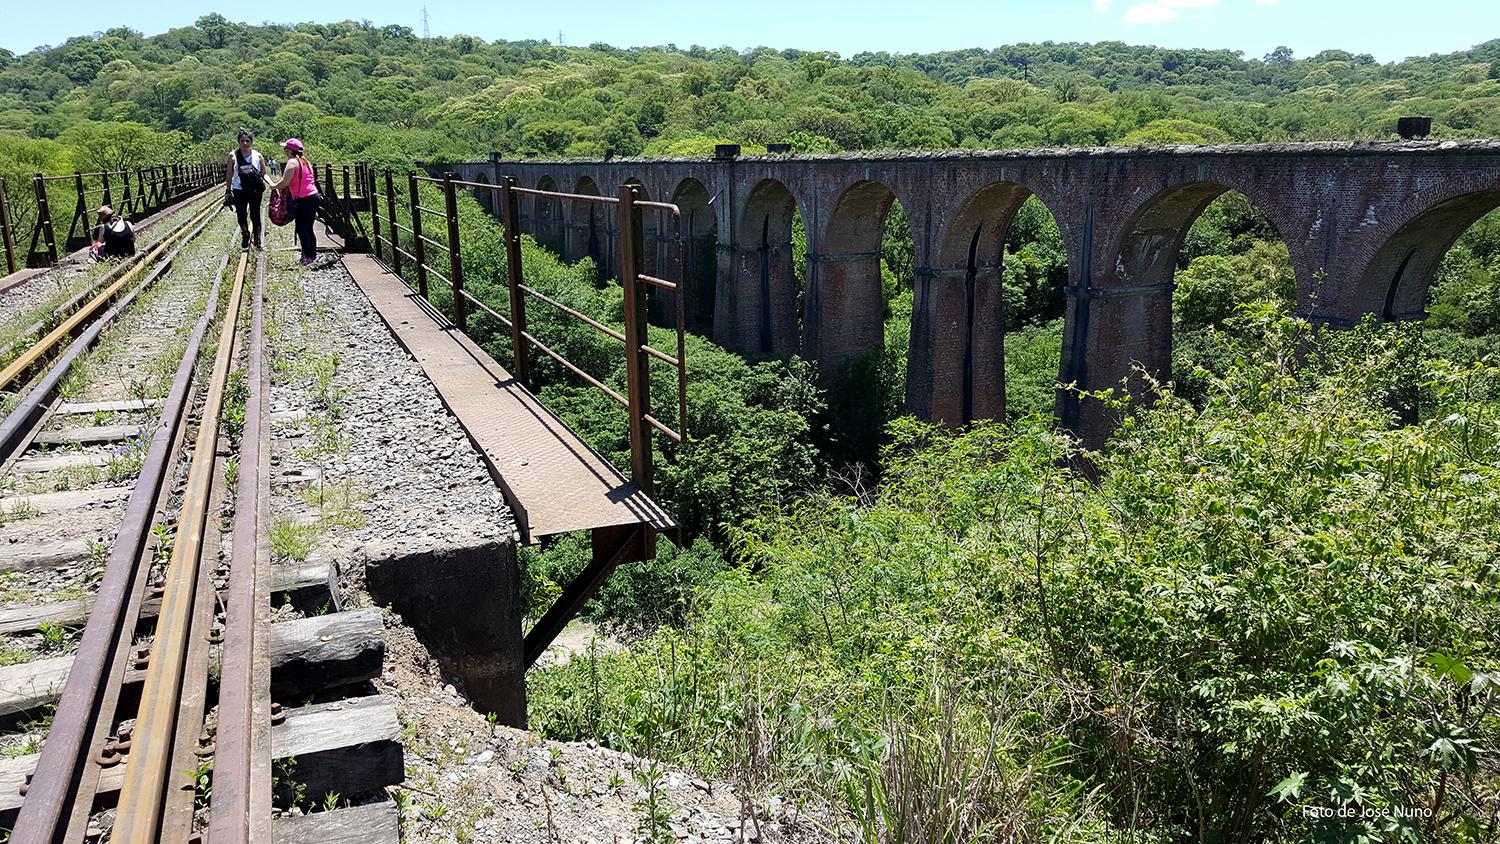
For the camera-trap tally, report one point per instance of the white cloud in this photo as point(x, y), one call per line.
point(1101, 6)
point(1149, 13)
point(1161, 11)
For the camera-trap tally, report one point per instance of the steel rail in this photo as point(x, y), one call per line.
point(576, 314)
point(486, 308)
point(68, 754)
point(38, 351)
point(586, 197)
point(576, 197)
point(240, 806)
point(430, 271)
point(31, 410)
point(434, 243)
point(573, 368)
point(139, 814)
point(657, 282)
point(661, 426)
point(660, 355)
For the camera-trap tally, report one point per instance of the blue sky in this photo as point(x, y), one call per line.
point(1387, 29)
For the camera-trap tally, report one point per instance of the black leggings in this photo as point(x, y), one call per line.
point(305, 214)
point(247, 204)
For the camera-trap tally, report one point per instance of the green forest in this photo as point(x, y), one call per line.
point(1268, 612)
point(361, 92)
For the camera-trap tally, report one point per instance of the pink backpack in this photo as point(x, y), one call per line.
point(279, 212)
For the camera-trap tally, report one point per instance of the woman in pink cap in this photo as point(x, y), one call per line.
point(300, 181)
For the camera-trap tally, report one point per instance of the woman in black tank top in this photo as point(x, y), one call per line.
point(246, 184)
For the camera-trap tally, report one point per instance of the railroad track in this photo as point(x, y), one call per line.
point(37, 304)
point(147, 529)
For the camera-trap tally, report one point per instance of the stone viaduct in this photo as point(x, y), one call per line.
point(1366, 224)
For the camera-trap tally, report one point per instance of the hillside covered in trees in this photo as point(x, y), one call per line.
point(379, 93)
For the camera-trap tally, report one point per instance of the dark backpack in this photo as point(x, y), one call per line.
point(119, 240)
point(250, 179)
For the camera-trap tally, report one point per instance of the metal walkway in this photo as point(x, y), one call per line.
point(553, 481)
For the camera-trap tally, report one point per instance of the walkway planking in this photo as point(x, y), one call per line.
point(553, 481)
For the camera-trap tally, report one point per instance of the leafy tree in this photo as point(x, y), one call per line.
point(215, 28)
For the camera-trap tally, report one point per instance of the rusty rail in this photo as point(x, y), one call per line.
point(44, 347)
point(148, 769)
point(631, 278)
point(241, 803)
point(60, 797)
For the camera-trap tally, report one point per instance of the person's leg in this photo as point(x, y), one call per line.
point(240, 203)
point(299, 222)
point(302, 221)
point(255, 222)
point(307, 215)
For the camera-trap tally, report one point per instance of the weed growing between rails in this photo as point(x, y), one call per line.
point(138, 355)
point(1275, 603)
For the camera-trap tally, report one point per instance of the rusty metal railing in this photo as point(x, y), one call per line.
point(339, 210)
point(132, 193)
point(407, 245)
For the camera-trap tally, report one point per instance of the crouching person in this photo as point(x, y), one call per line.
point(114, 237)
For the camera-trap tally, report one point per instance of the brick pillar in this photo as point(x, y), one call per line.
point(956, 368)
point(756, 306)
point(1108, 332)
point(842, 319)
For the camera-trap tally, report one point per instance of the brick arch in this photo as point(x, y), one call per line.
point(755, 310)
point(958, 330)
point(767, 210)
point(484, 196)
point(976, 230)
point(695, 265)
point(1145, 249)
point(843, 317)
point(1119, 326)
point(1395, 283)
point(587, 228)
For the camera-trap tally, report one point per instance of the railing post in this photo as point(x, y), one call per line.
point(8, 236)
point(455, 261)
point(416, 235)
point(637, 365)
point(369, 189)
point(347, 195)
point(44, 221)
point(80, 217)
point(176, 180)
point(127, 201)
point(108, 196)
point(390, 207)
point(510, 205)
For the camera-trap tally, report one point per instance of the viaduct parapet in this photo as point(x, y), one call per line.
point(1366, 224)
